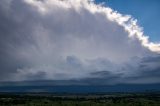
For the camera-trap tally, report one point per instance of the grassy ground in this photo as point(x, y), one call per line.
point(80, 100)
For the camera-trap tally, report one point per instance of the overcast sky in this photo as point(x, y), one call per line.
point(74, 40)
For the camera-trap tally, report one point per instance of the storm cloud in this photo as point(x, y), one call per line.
point(73, 40)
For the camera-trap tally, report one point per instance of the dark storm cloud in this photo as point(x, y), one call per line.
point(14, 32)
point(77, 41)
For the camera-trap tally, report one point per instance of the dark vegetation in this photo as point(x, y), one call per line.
point(114, 99)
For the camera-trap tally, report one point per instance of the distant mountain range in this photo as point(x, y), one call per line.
point(70, 86)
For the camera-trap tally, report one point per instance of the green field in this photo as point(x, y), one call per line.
point(79, 100)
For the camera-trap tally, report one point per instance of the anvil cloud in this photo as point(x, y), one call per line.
point(74, 40)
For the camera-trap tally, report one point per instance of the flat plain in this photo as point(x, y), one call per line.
point(111, 99)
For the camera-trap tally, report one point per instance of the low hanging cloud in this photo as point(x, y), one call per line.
point(73, 40)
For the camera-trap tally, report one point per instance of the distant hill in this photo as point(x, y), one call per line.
point(71, 87)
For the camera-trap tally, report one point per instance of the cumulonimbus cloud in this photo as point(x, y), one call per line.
point(126, 21)
point(73, 39)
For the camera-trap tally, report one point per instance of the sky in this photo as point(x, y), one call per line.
point(145, 11)
point(78, 41)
